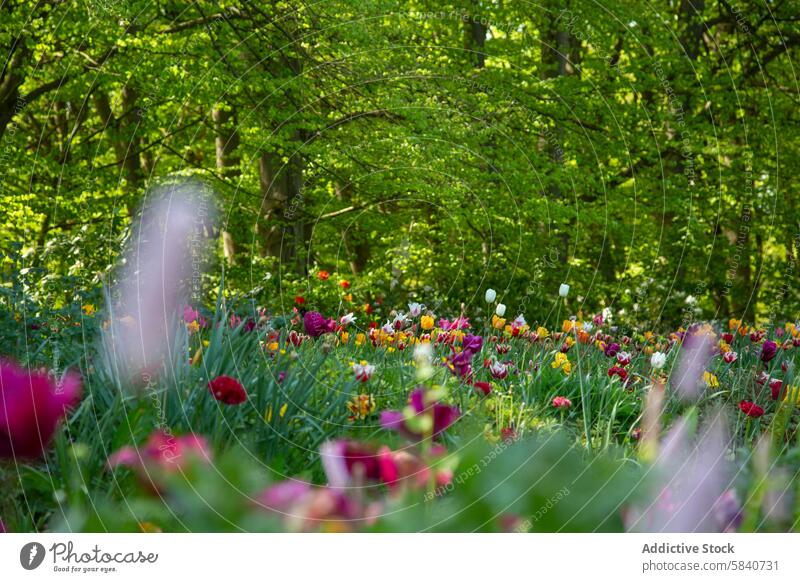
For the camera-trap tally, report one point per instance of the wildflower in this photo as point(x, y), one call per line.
point(498, 370)
point(751, 409)
point(490, 295)
point(561, 402)
point(415, 309)
point(730, 357)
point(227, 390)
point(363, 371)
point(424, 415)
point(623, 358)
point(346, 320)
point(361, 406)
point(710, 380)
point(323, 275)
point(345, 284)
point(768, 351)
point(31, 406)
point(658, 360)
point(88, 309)
point(426, 322)
point(563, 290)
point(299, 299)
point(315, 325)
point(500, 310)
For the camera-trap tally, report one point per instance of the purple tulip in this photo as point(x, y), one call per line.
point(768, 351)
point(612, 349)
point(316, 325)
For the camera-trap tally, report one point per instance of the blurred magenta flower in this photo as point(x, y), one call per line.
point(31, 406)
point(352, 463)
point(612, 349)
point(163, 453)
point(227, 390)
point(316, 325)
point(419, 418)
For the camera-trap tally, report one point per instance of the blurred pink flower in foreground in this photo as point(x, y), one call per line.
point(162, 453)
point(689, 479)
point(31, 406)
point(149, 294)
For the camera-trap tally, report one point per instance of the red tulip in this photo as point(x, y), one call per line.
point(751, 409)
point(227, 390)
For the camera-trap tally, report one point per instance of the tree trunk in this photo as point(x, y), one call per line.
point(226, 142)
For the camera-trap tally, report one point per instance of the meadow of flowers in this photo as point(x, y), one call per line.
point(400, 419)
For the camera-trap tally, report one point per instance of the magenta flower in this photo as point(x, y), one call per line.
point(730, 357)
point(349, 463)
point(31, 406)
point(411, 422)
point(163, 453)
point(612, 349)
point(561, 402)
point(315, 325)
point(191, 315)
point(768, 351)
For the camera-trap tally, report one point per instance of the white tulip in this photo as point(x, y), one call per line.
point(658, 359)
point(490, 296)
point(500, 310)
point(563, 290)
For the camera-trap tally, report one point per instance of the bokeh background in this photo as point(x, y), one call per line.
point(643, 152)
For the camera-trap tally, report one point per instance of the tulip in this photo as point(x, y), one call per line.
point(227, 390)
point(751, 409)
point(31, 406)
point(729, 357)
point(658, 360)
point(315, 325)
point(363, 371)
point(561, 402)
point(490, 296)
point(563, 290)
point(768, 351)
point(500, 310)
point(498, 370)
